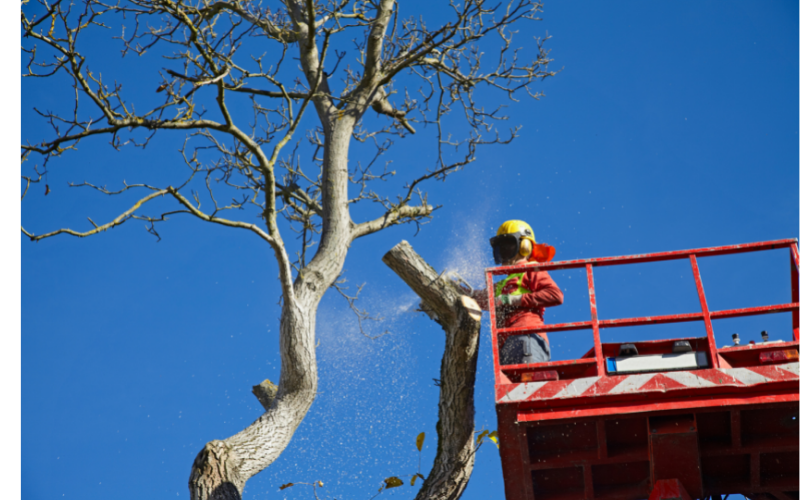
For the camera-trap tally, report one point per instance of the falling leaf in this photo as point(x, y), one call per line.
point(420, 440)
point(493, 437)
point(393, 482)
point(287, 485)
point(414, 479)
point(46, 189)
point(481, 436)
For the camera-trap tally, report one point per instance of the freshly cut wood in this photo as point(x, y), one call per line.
point(460, 318)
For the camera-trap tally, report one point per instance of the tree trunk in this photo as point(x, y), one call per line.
point(459, 316)
point(222, 468)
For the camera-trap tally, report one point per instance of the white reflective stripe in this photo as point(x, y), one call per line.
point(510, 395)
point(689, 379)
point(660, 362)
point(791, 368)
point(577, 387)
point(745, 376)
point(522, 391)
point(631, 383)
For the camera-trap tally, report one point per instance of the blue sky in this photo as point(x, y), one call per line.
point(671, 126)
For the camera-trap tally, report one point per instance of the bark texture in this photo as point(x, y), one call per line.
point(215, 473)
point(459, 316)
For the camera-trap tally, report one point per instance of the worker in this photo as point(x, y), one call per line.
point(521, 298)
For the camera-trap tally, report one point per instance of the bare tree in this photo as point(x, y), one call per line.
point(213, 52)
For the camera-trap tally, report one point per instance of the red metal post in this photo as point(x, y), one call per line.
point(493, 325)
point(712, 345)
point(795, 291)
point(598, 348)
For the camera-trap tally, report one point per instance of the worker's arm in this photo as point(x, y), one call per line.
point(544, 291)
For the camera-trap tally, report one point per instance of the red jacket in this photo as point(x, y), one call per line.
point(530, 312)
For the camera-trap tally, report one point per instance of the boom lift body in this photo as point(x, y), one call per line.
point(676, 418)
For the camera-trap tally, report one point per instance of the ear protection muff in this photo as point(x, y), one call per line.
point(525, 247)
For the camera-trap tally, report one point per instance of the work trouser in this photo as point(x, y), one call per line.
point(524, 350)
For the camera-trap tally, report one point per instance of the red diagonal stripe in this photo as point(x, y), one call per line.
point(549, 390)
point(773, 372)
point(503, 390)
point(661, 383)
point(716, 377)
point(603, 385)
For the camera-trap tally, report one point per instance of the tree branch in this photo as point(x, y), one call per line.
point(393, 217)
point(98, 229)
point(372, 65)
point(381, 105)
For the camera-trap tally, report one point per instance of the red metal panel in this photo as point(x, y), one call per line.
point(511, 454)
point(598, 348)
point(566, 461)
point(748, 354)
point(674, 451)
point(595, 409)
point(758, 347)
point(712, 346)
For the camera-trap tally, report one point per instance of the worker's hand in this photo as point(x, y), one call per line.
point(509, 300)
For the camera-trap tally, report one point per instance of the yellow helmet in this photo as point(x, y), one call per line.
point(514, 237)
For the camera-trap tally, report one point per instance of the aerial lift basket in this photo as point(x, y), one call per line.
point(678, 418)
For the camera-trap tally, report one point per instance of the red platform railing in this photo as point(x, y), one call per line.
point(595, 323)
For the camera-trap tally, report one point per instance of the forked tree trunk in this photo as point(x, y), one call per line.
point(459, 316)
